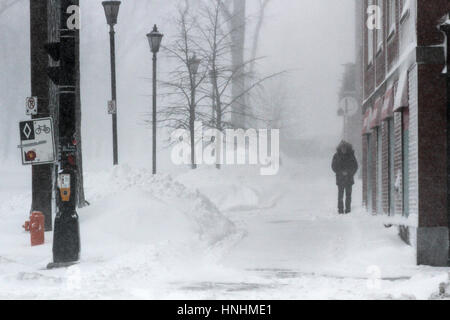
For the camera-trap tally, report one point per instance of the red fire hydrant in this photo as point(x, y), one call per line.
point(37, 228)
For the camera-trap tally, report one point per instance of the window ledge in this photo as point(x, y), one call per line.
point(380, 48)
point(405, 15)
point(391, 34)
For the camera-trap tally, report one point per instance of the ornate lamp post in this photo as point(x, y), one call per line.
point(193, 64)
point(111, 12)
point(154, 40)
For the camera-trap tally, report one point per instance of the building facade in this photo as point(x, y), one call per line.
point(401, 59)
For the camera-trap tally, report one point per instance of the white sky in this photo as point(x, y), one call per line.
point(310, 38)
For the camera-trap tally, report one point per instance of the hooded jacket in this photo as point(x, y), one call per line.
point(344, 164)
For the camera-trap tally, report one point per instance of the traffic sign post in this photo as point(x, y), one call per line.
point(37, 141)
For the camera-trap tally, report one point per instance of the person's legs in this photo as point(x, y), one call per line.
point(348, 199)
point(341, 199)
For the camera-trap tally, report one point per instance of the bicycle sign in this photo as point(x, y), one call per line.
point(41, 129)
point(37, 141)
point(31, 106)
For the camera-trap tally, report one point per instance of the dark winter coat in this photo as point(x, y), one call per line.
point(345, 165)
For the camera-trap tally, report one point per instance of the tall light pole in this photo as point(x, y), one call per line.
point(154, 40)
point(193, 65)
point(111, 12)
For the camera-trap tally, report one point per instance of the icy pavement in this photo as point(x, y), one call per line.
point(240, 236)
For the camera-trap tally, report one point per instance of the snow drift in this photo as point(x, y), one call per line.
point(152, 207)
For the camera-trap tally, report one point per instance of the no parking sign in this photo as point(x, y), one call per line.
point(31, 106)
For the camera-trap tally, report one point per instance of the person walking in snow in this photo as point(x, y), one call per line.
point(345, 166)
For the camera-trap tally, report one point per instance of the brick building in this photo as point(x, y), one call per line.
point(404, 138)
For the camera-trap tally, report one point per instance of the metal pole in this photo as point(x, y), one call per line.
point(42, 182)
point(114, 94)
point(66, 237)
point(446, 30)
point(154, 113)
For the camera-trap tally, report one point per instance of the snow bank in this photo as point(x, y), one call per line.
point(135, 202)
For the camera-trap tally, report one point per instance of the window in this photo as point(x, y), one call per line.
point(392, 16)
point(405, 161)
point(379, 171)
point(370, 205)
point(391, 151)
point(369, 41)
point(406, 4)
point(380, 30)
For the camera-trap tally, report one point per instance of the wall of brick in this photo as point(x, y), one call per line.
point(432, 147)
point(369, 70)
point(380, 66)
point(428, 15)
point(393, 43)
point(413, 145)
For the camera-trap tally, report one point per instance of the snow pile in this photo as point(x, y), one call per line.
point(137, 202)
point(228, 191)
point(239, 188)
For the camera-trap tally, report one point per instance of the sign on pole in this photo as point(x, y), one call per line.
point(37, 141)
point(112, 107)
point(31, 106)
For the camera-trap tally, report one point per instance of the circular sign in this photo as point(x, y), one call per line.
point(31, 155)
point(31, 104)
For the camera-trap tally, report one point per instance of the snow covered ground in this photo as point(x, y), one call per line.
point(212, 235)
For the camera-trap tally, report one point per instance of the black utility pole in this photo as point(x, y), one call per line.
point(42, 182)
point(445, 27)
point(66, 239)
point(111, 12)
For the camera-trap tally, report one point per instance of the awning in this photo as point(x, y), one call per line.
point(388, 105)
point(375, 119)
point(401, 96)
point(366, 121)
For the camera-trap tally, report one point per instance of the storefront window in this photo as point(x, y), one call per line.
point(405, 158)
point(379, 171)
point(391, 150)
point(369, 173)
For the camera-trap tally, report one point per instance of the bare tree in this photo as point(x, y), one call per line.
point(262, 6)
point(188, 95)
point(235, 13)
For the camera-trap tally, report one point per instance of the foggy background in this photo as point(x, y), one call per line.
point(311, 39)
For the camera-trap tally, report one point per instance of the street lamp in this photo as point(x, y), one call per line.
point(154, 40)
point(111, 12)
point(193, 65)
